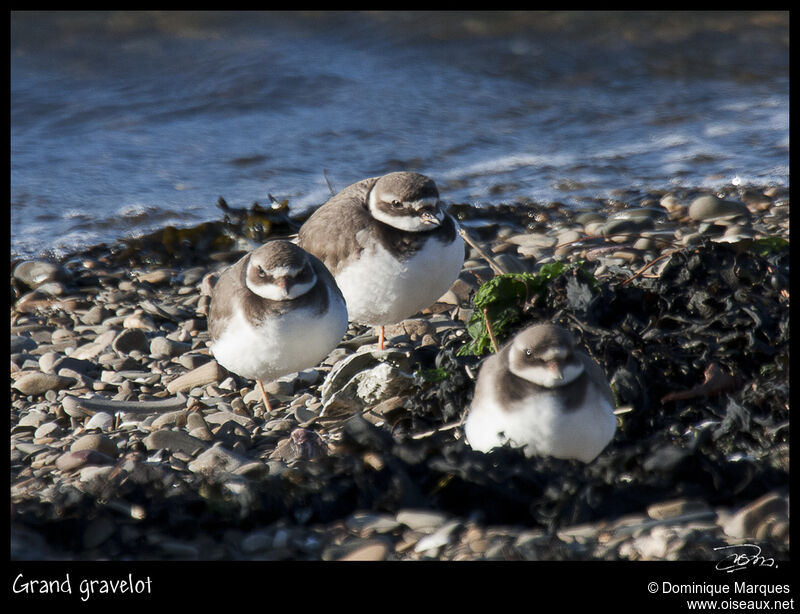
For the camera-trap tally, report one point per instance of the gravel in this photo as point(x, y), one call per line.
point(128, 441)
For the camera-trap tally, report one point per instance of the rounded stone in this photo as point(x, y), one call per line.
point(588, 217)
point(35, 384)
point(49, 361)
point(33, 418)
point(101, 420)
point(96, 442)
point(48, 429)
point(75, 459)
point(22, 344)
point(130, 340)
point(52, 288)
point(177, 441)
point(34, 273)
point(95, 315)
point(709, 207)
point(161, 346)
point(159, 276)
point(626, 226)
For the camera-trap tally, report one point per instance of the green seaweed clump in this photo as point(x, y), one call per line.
point(504, 299)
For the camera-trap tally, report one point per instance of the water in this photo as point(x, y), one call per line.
point(122, 123)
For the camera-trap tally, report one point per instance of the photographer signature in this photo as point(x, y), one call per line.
point(741, 560)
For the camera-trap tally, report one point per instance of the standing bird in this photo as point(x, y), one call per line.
point(542, 393)
point(276, 311)
point(390, 245)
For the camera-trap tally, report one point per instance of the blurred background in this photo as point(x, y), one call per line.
point(124, 122)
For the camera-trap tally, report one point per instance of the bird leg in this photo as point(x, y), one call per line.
point(381, 337)
point(264, 396)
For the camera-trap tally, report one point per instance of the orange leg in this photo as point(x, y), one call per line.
point(381, 337)
point(264, 396)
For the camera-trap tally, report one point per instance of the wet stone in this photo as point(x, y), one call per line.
point(34, 273)
point(711, 207)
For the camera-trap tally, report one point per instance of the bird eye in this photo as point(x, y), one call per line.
point(396, 204)
point(527, 352)
point(261, 272)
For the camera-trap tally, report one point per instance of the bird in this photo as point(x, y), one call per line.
point(543, 393)
point(276, 311)
point(390, 245)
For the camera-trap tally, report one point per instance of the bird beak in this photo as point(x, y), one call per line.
point(430, 218)
point(555, 369)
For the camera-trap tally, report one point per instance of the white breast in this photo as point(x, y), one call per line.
point(296, 340)
point(379, 289)
point(542, 426)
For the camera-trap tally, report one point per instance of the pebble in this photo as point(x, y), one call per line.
point(95, 315)
point(141, 378)
point(159, 276)
point(193, 361)
point(34, 273)
point(48, 429)
point(253, 470)
point(202, 375)
point(625, 226)
point(97, 442)
point(676, 507)
point(367, 522)
point(95, 472)
point(93, 349)
point(439, 538)
point(173, 440)
point(161, 346)
point(139, 320)
point(20, 343)
point(35, 384)
point(711, 207)
point(421, 520)
point(130, 340)
point(170, 418)
point(101, 420)
point(216, 459)
point(69, 461)
point(745, 522)
point(532, 240)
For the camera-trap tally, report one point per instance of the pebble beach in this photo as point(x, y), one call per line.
point(129, 442)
